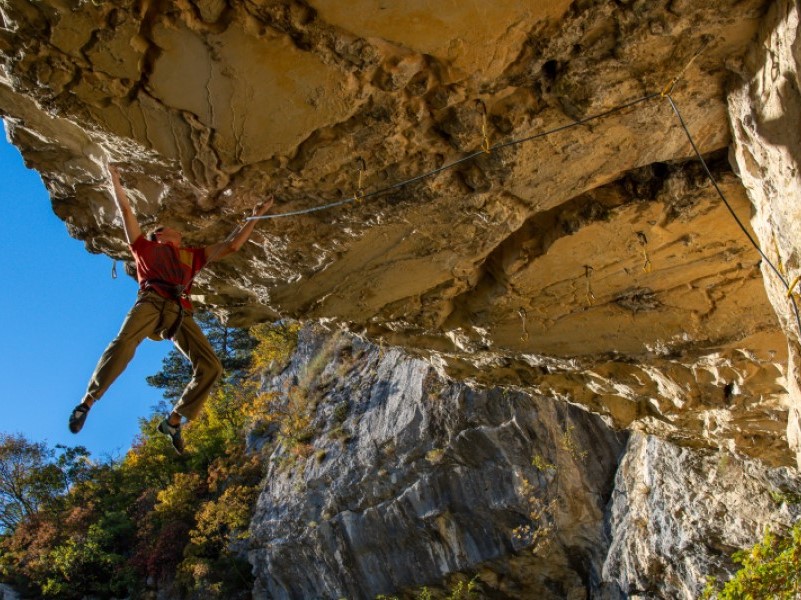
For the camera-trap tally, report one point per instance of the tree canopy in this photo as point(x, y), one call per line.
point(71, 527)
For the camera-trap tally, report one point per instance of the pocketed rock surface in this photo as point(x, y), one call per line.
point(596, 265)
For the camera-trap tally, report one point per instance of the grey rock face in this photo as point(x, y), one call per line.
point(596, 267)
point(678, 514)
point(411, 478)
point(435, 478)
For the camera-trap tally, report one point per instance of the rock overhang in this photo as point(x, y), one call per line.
point(541, 265)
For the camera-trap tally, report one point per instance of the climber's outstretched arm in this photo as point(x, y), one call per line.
point(239, 236)
point(129, 222)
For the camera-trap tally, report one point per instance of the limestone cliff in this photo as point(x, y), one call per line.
point(764, 112)
point(595, 266)
point(412, 479)
point(6, 593)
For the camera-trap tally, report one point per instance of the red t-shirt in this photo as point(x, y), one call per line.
point(160, 267)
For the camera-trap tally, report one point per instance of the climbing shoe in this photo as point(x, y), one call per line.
point(78, 417)
point(174, 433)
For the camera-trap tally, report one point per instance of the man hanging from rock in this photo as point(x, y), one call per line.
point(165, 271)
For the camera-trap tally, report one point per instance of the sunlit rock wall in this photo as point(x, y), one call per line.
point(765, 107)
point(594, 268)
point(411, 478)
point(596, 263)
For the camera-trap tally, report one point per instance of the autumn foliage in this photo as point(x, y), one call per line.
point(72, 527)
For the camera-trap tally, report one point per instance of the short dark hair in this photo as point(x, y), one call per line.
point(152, 235)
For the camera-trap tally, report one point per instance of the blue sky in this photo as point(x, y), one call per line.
point(60, 308)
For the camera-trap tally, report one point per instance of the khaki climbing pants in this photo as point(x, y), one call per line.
point(151, 317)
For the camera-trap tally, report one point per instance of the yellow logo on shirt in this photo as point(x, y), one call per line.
point(186, 257)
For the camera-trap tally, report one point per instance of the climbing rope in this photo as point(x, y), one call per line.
point(737, 220)
point(486, 148)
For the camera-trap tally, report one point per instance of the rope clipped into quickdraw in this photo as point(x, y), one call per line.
point(672, 83)
point(779, 271)
point(791, 287)
point(485, 144)
point(359, 193)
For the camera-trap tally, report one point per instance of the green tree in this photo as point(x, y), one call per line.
point(93, 561)
point(771, 569)
point(78, 528)
point(232, 345)
point(32, 477)
point(274, 344)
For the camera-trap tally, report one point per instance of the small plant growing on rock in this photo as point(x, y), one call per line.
point(435, 456)
point(293, 411)
point(460, 591)
point(539, 463)
point(538, 533)
point(341, 435)
point(341, 411)
point(569, 444)
point(781, 497)
point(463, 589)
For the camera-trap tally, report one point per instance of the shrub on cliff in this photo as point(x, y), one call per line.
point(771, 569)
point(275, 343)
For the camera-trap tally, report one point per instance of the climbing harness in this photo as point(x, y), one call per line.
point(176, 293)
point(161, 303)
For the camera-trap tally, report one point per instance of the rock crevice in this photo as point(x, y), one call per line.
point(412, 479)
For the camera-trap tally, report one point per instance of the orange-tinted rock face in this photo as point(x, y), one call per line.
point(764, 111)
point(596, 264)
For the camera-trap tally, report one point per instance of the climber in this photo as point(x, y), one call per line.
point(165, 271)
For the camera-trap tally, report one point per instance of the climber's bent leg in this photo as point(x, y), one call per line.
point(206, 368)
